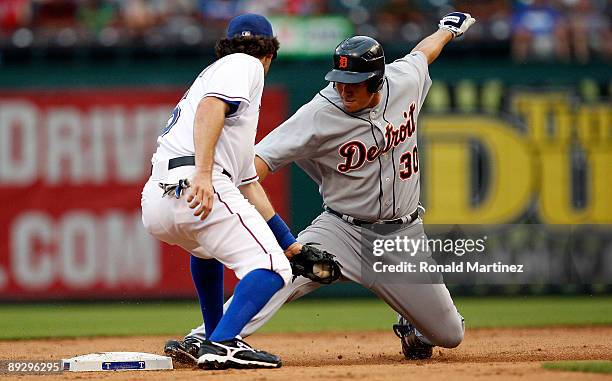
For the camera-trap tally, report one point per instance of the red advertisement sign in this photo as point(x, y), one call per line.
point(72, 166)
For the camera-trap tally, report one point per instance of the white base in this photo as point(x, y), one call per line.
point(112, 361)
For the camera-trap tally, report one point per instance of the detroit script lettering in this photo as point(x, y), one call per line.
point(355, 153)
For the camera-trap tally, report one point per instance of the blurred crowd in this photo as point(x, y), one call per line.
point(564, 30)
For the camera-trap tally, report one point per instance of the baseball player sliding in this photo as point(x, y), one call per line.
point(357, 140)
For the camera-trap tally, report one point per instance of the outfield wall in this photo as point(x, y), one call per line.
point(499, 144)
point(72, 166)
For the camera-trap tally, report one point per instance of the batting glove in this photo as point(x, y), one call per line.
point(456, 23)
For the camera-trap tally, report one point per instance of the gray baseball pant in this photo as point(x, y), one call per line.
point(427, 306)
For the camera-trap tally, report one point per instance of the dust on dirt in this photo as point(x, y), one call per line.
point(508, 354)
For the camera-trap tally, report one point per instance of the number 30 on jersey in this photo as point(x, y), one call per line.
point(409, 163)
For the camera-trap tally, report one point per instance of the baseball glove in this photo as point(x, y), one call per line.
point(315, 264)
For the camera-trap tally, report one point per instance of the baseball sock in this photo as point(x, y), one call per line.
point(250, 296)
point(207, 275)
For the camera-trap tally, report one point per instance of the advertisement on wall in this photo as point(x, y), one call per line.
point(72, 166)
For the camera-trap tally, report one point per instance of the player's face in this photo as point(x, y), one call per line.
point(356, 97)
point(267, 62)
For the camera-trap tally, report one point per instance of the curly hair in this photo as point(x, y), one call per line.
point(256, 46)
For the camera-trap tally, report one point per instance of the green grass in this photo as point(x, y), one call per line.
point(533, 311)
point(602, 366)
point(116, 319)
point(74, 320)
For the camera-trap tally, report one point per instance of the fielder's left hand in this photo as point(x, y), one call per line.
point(315, 264)
point(292, 250)
point(457, 23)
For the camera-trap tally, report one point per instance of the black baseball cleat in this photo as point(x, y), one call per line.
point(235, 354)
point(412, 347)
point(184, 351)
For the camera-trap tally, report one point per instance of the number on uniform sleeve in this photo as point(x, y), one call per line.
point(409, 163)
point(174, 117)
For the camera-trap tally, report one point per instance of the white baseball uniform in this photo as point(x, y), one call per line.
point(234, 232)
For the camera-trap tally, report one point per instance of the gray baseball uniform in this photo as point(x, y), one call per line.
point(366, 165)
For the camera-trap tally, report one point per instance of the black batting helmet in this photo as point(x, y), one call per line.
point(358, 59)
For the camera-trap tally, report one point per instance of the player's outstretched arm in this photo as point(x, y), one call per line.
point(257, 196)
point(450, 26)
point(262, 171)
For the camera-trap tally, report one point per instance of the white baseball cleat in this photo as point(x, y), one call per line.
point(236, 354)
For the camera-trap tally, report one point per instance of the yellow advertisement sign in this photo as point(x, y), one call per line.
point(528, 161)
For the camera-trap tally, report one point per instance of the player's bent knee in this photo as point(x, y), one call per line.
point(453, 339)
point(283, 268)
point(453, 336)
point(450, 336)
point(450, 339)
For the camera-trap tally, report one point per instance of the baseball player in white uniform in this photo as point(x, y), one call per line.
point(203, 194)
point(357, 139)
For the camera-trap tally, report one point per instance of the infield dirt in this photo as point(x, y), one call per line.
point(485, 354)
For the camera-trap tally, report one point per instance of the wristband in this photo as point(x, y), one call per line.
point(281, 232)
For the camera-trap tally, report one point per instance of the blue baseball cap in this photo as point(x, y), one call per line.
point(249, 24)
